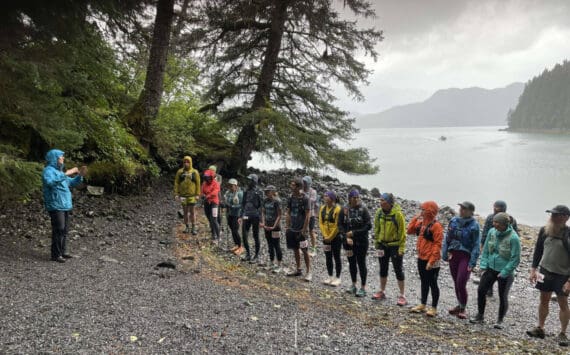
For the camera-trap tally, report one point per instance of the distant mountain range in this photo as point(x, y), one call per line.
point(450, 108)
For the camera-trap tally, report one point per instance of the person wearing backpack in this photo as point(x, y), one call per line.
point(211, 194)
point(271, 224)
point(328, 224)
point(250, 214)
point(233, 200)
point(461, 249)
point(390, 243)
point(187, 190)
point(354, 224)
point(499, 260)
point(297, 228)
point(550, 271)
point(430, 237)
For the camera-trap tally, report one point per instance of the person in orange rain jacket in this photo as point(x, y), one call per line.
point(211, 195)
point(430, 236)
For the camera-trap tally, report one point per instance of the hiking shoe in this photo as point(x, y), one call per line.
point(186, 230)
point(478, 319)
point(335, 282)
point(402, 301)
point(59, 259)
point(180, 214)
point(327, 281)
point(536, 332)
point(309, 277)
point(562, 339)
point(462, 314)
point(499, 325)
point(247, 257)
point(68, 256)
point(455, 310)
point(295, 273)
point(194, 231)
point(277, 269)
point(361, 293)
point(352, 290)
point(380, 295)
point(254, 260)
point(418, 309)
point(431, 312)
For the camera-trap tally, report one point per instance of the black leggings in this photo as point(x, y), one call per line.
point(428, 279)
point(487, 280)
point(252, 222)
point(234, 227)
point(357, 262)
point(214, 225)
point(59, 223)
point(397, 262)
point(274, 246)
point(334, 253)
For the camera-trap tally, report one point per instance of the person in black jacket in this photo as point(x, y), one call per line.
point(250, 216)
point(354, 224)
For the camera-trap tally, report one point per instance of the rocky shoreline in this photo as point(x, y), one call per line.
point(115, 298)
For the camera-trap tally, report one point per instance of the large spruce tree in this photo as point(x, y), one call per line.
point(270, 66)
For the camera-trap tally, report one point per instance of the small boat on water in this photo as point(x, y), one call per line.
point(443, 138)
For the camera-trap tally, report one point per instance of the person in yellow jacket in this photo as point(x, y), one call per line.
point(390, 243)
point(332, 242)
point(187, 191)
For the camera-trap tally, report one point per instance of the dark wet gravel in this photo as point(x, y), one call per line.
point(112, 298)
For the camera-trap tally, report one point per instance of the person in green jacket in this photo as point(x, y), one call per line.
point(501, 256)
point(187, 190)
point(390, 243)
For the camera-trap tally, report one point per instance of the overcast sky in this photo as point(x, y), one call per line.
point(437, 44)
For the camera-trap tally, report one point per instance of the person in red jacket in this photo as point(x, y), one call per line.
point(430, 236)
point(211, 193)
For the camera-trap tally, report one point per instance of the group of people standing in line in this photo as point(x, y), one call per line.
point(461, 244)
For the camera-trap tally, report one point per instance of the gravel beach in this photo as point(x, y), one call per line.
point(138, 285)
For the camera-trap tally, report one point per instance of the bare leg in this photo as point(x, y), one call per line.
point(401, 287)
point(298, 258)
point(564, 314)
point(543, 308)
point(383, 281)
point(307, 260)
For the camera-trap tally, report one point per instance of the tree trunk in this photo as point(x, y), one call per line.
point(148, 104)
point(247, 138)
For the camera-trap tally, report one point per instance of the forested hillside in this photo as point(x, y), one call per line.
point(129, 87)
point(545, 102)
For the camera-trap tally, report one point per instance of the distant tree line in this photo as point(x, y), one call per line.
point(545, 102)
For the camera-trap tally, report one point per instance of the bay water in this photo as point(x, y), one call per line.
point(530, 171)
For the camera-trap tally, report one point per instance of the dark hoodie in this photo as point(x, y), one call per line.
point(57, 196)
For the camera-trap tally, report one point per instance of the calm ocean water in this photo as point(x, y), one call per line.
point(480, 164)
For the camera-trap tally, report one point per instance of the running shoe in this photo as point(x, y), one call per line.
point(327, 281)
point(420, 308)
point(277, 269)
point(402, 301)
point(309, 277)
point(361, 293)
point(352, 290)
point(254, 260)
point(186, 230)
point(478, 319)
point(194, 230)
point(536, 332)
point(455, 310)
point(335, 281)
point(431, 312)
point(380, 295)
point(499, 325)
point(295, 273)
point(562, 339)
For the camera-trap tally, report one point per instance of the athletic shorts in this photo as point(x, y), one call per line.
point(312, 223)
point(188, 201)
point(552, 282)
point(296, 240)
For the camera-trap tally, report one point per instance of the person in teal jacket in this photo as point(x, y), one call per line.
point(57, 199)
point(501, 256)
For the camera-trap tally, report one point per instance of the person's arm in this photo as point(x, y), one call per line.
point(52, 177)
point(307, 216)
point(244, 197)
point(476, 247)
point(514, 225)
point(515, 256)
point(279, 213)
point(413, 225)
point(484, 262)
point(377, 228)
point(198, 183)
point(444, 246)
point(262, 217)
point(322, 223)
point(486, 228)
point(75, 181)
point(402, 232)
point(437, 232)
point(176, 183)
point(538, 249)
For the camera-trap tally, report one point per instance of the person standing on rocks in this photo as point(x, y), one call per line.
point(499, 260)
point(233, 201)
point(390, 243)
point(271, 224)
point(461, 249)
point(297, 228)
point(219, 179)
point(250, 214)
point(328, 224)
point(58, 201)
point(430, 238)
point(314, 208)
point(354, 224)
point(187, 190)
point(498, 207)
point(550, 270)
point(211, 193)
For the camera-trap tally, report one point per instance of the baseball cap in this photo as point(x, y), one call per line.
point(560, 209)
point(269, 188)
point(467, 205)
point(232, 182)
